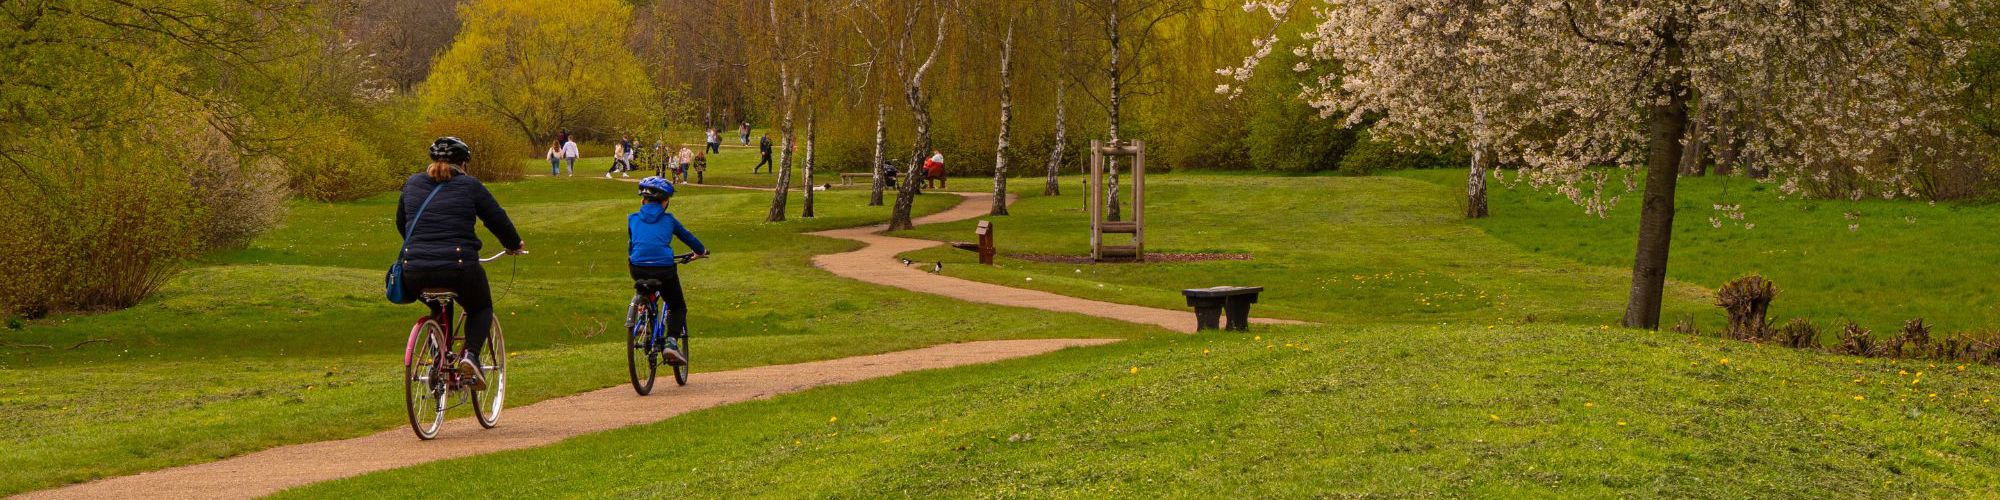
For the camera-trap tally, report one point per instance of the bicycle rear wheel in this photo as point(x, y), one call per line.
point(423, 380)
point(639, 357)
point(486, 404)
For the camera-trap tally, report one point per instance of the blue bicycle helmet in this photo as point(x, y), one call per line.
point(655, 188)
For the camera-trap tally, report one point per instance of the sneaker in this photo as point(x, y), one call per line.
point(628, 176)
point(470, 374)
point(673, 354)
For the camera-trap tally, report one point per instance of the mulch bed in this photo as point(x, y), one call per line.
point(1150, 257)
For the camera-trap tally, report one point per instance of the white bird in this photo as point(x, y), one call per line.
point(906, 262)
point(937, 268)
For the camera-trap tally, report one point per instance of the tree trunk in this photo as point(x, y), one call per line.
point(1695, 154)
point(1666, 128)
point(1475, 184)
point(786, 100)
point(812, 129)
point(1111, 163)
point(881, 141)
point(913, 93)
point(1006, 119)
point(1056, 153)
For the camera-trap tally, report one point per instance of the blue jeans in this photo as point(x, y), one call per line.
point(571, 164)
point(555, 166)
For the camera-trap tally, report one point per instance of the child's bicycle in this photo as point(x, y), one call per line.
point(431, 384)
point(647, 339)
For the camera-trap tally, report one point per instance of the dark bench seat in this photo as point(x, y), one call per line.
point(1210, 304)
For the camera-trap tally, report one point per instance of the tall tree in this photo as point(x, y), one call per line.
point(919, 102)
point(1126, 28)
point(785, 56)
point(1052, 187)
point(1006, 121)
point(1582, 83)
point(541, 65)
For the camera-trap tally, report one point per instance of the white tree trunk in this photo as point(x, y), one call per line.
point(1056, 154)
point(812, 129)
point(1006, 120)
point(881, 142)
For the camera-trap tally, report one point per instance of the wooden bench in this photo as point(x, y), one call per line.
point(847, 178)
point(1210, 304)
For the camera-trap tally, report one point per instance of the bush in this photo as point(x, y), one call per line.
point(496, 154)
point(1747, 300)
point(328, 165)
point(1856, 341)
point(1369, 155)
point(1798, 334)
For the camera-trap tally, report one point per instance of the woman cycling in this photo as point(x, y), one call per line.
point(652, 231)
point(443, 250)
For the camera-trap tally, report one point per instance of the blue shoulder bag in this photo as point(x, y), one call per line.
point(394, 281)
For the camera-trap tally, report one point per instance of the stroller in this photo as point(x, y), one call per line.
point(888, 174)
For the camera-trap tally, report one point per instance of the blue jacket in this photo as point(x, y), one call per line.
point(652, 231)
point(444, 238)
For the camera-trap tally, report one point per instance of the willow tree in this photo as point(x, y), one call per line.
point(541, 65)
point(1813, 87)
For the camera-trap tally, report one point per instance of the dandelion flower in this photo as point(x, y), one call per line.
point(1621, 423)
point(1135, 370)
point(832, 419)
point(1590, 405)
point(1858, 397)
point(1724, 361)
point(1496, 418)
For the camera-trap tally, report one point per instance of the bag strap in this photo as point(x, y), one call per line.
point(412, 228)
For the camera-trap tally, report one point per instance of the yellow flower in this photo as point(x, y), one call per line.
point(1961, 367)
point(1858, 397)
point(1724, 361)
point(1496, 418)
point(1590, 405)
point(1621, 423)
point(1135, 370)
point(1204, 352)
point(833, 419)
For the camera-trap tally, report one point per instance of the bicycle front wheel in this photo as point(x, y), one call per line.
point(639, 357)
point(486, 404)
point(681, 370)
point(423, 380)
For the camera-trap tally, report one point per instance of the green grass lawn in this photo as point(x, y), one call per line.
point(1454, 358)
point(1905, 259)
point(1380, 411)
point(1347, 250)
point(289, 341)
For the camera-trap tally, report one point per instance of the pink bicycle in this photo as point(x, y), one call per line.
point(430, 384)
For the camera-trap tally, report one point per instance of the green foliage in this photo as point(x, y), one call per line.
point(496, 154)
point(1369, 156)
point(540, 65)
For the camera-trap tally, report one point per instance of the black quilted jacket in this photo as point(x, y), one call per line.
point(444, 237)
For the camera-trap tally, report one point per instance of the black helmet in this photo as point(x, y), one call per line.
point(450, 150)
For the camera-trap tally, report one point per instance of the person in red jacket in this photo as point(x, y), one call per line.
point(934, 169)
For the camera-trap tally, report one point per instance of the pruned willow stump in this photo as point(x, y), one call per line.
point(1136, 249)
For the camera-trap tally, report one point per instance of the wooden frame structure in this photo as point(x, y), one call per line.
point(1099, 227)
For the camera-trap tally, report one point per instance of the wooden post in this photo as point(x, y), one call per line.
point(986, 251)
point(1096, 200)
point(1139, 200)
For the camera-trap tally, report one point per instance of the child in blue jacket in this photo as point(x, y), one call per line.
point(652, 231)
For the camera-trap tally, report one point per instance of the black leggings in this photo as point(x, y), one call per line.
point(670, 292)
point(763, 162)
point(474, 297)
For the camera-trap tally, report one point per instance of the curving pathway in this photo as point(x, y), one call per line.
point(877, 263)
point(269, 471)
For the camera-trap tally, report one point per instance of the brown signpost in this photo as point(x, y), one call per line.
point(986, 251)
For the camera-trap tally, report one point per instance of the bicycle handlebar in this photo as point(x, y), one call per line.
point(503, 253)
point(686, 258)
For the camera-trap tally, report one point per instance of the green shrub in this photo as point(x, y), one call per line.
point(1370, 155)
point(496, 154)
point(332, 166)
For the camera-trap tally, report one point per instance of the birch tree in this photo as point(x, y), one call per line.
point(919, 102)
point(1006, 120)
